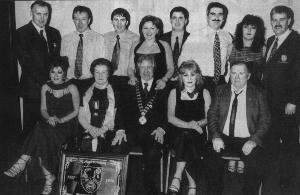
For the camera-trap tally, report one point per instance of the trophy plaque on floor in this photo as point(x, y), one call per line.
point(92, 175)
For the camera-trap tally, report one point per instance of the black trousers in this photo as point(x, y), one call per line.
point(31, 115)
point(151, 157)
point(253, 166)
point(284, 128)
point(210, 85)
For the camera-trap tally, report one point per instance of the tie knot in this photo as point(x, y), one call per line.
point(177, 38)
point(118, 37)
point(146, 85)
point(80, 35)
point(237, 94)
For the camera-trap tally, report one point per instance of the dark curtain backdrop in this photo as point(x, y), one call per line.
point(10, 123)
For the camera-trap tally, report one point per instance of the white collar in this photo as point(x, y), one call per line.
point(149, 83)
point(37, 27)
point(234, 90)
point(283, 36)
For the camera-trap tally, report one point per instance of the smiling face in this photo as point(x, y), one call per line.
point(119, 23)
point(280, 23)
point(39, 15)
point(149, 30)
point(101, 75)
point(189, 78)
point(249, 31)
point(178, 21)
point(57, 75)
point(81, 21)
point(146, 70)
point(239, 75)
point(215, 18)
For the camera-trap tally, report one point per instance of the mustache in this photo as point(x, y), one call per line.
point(216, 20)
point(276, 26)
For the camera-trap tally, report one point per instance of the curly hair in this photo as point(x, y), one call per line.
point(156, 21)
point(259, 38)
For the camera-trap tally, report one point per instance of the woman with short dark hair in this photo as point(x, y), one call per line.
point(59, 108)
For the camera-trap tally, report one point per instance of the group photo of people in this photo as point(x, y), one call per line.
point(221, 103)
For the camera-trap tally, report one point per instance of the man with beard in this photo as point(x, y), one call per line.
point(210, 47)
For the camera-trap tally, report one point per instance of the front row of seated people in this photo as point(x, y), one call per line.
point(237, 123)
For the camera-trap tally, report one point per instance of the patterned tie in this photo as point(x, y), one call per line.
point(146, 89)
point(176, 56)
point(217, 58)
point(274, 48)
point(233, 114)
point(116, 54)
point(79, 56)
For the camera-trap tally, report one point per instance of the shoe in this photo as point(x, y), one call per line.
point(173, 190)
point(231, 166)
point(17, 168)
point(191, 190)
point(49, 179)
point(240, 167)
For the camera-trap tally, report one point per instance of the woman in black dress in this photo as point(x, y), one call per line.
point(59, 108)
point(97, 114)
point(150, 29)
point(187, 110)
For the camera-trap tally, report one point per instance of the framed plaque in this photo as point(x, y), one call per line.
point(92, 174)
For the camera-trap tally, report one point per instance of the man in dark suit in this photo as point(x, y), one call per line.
point(179, 19)
point(238, 119)
point(145, 121)
point(36, 44)
point(282, 83)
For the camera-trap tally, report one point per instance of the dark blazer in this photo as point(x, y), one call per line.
point(167, 37)
point(156, 116)
point(282, 72)
point(34, 57)
point(258, 116)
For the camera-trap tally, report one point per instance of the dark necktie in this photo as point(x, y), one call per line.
point(79, 56)
point(176, 56)
point(233, 114)
point(146, 89)
point(274, 48)
point(43, 38)
point(217, 58)
point(116, 54)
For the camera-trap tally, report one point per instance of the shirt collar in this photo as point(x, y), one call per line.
point(37, 27)
point(121, 34)
point(177, 34)
point(284, 35)
point(84, 33)
point(209, 30)
point(233, 90)
point(149, 82)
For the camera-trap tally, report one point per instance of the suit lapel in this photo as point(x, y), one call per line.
point(249, 103)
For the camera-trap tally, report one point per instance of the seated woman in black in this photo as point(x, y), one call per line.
point(59, 109)
point(97, 115)
point(187, 111)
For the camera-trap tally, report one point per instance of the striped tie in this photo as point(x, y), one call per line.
point(217, 58)
point(79, 56)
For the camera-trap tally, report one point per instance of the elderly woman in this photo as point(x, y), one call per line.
point(150, 29)
point(59, 108)
point(187, 111)
point(249, 46)
point(97, 114)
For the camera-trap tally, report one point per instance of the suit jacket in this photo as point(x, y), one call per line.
point(167, 37)
point(34, 57)
point(156, 116)
point(282, 72)
point(258, 116)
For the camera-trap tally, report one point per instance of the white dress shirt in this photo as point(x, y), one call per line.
point(281, 38)
point(240, 126)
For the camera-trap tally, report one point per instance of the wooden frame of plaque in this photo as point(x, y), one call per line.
point(92, 174)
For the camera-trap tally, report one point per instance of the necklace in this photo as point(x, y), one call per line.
point(143, 110)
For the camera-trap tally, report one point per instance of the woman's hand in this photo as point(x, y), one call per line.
point(119, 137)
point(195, 125)
point(132, 80)
point(160, 84)
point(53, 120)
